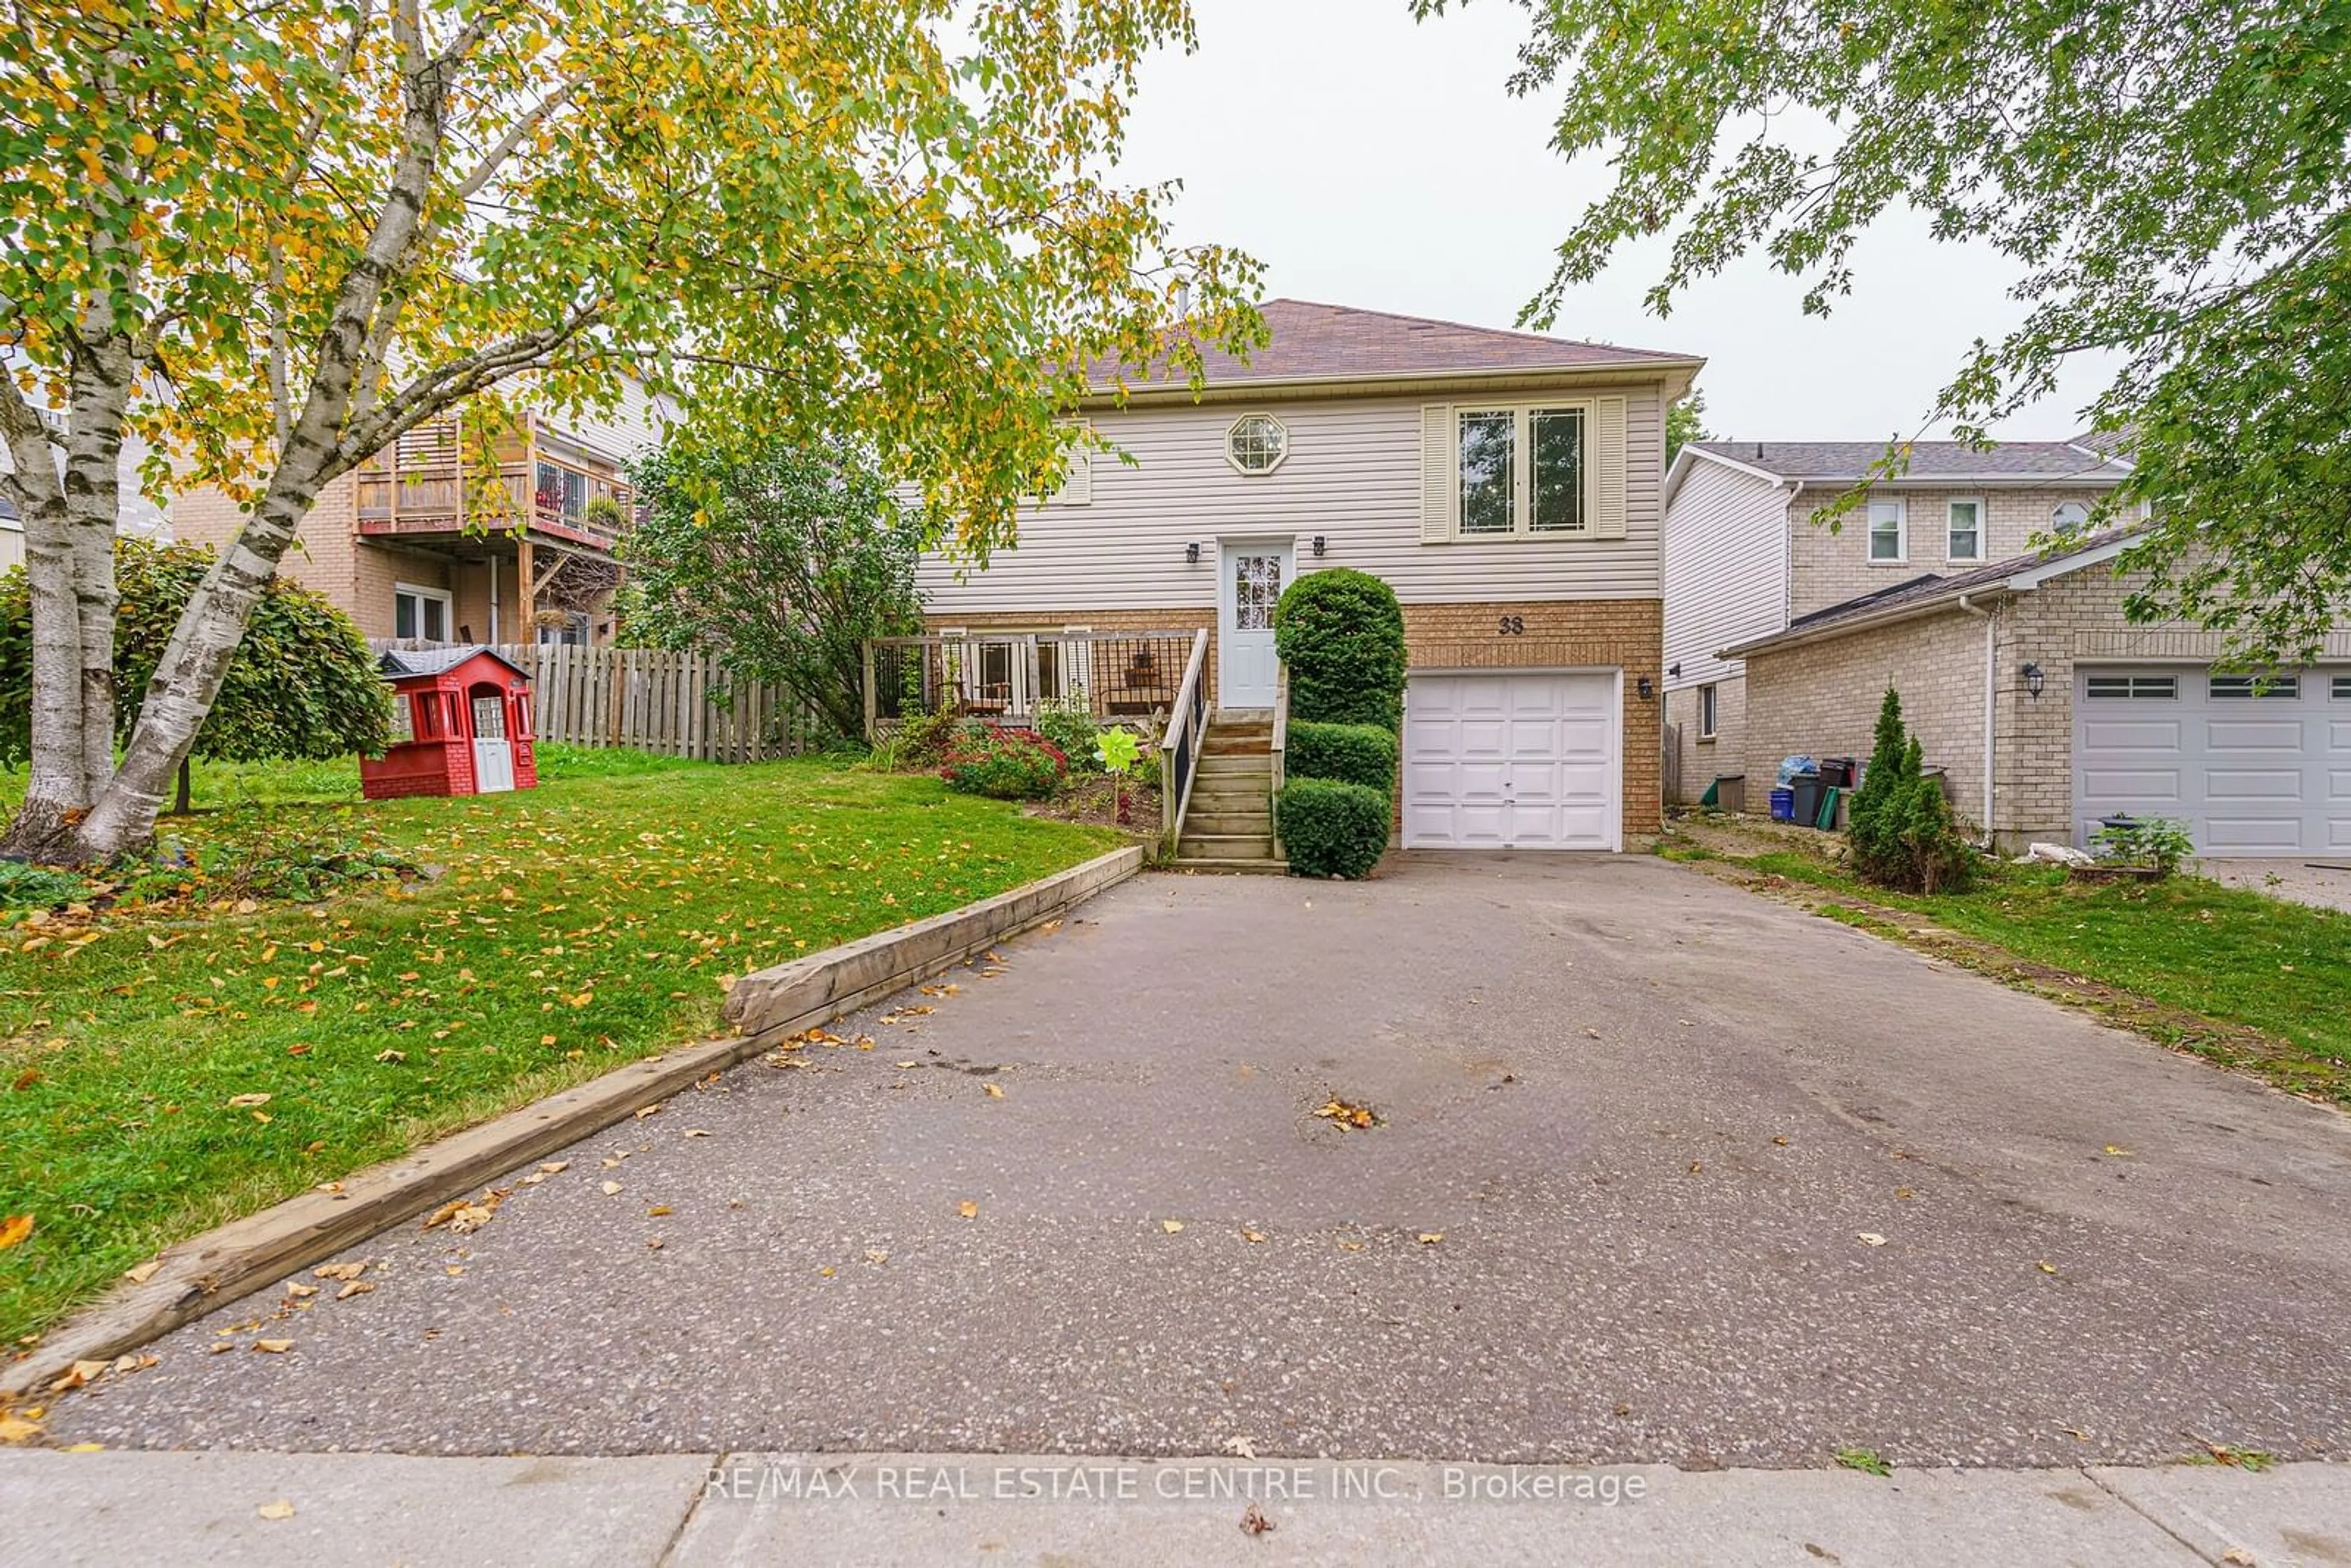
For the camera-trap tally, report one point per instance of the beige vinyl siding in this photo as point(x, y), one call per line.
point(1725, 561)
point(1353, 475)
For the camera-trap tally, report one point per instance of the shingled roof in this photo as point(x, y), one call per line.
point(436, 661)
point(1930, 461)
point(1314, 342)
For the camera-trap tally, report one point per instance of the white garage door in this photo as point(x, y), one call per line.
point(1512, 760)
point(2250, 772)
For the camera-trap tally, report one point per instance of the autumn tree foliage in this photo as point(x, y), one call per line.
point(269, 240)
point(2173, 183)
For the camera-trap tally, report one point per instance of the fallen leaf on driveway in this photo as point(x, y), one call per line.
point(554, 1168)
point(1869, 1239)
point(2120, 1153)
point(1431, 1238)
point(140, 1273)
point(281, 1509)
point(968, 1209)
point(1347, 1114)
point(298, 1290)
point(698, 1132)
point(340, 1270)
point(646, 1111)
point(903, 1066)
point(1170, 1225)
point(17, 1429)
point(273, 1346)
point(1253, 1522)
point(356, 1288)
point(876, 1255)
point(2046, 1267)
point(2238, 1557)
point(995, 1090)
point(1249, 1235)
point(1781, 1140)
point(15, 1229)
point(657, 1210)
point(1241, 1447)
point(611, 1189)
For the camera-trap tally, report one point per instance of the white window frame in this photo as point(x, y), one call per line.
point(1708, 697)
point(2136, 688)
point(2339, 688)
point(1901, 508)
point(2057, 522)
point(1949, 506)
point(1522, 467)
point(418, 592)
point(1232, 432)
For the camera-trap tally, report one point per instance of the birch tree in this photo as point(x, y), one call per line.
point(268, 241)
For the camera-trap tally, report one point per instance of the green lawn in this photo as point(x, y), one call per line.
point(569, 929)
point(2222, 954)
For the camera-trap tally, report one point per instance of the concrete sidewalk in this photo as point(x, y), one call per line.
point(133, 1508)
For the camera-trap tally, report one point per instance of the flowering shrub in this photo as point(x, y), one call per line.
point(1006, 765)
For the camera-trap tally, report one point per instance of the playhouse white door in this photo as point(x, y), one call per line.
point(492, 752)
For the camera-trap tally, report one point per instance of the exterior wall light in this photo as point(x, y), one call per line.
point(1191, 552)
point(1648, 688)
point(2034, 679)
point(1320, 543)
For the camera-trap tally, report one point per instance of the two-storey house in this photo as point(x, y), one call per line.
point(2045, 706)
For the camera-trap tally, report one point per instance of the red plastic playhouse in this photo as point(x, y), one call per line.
point(461, 725)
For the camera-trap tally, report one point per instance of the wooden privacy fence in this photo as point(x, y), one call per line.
point(678, 704)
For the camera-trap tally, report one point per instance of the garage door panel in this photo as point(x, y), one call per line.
point(2281, 735)
point(2269, 776)
point(1509, 759)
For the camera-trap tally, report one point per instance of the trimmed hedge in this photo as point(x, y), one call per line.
point(1341, 634)
point(1362, 753)
point(1331, 828)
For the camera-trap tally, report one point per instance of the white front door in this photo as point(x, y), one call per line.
point(1250, 578)
point(492, 752)
point(1512, 760)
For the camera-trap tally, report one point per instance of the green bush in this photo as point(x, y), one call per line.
point(1069, 724)
point(1902, 832)
point(1362, 753)
point(1341, 634)
point(2158, 843)
point(1005, 764)
point(1331, 828)
point(924, 738)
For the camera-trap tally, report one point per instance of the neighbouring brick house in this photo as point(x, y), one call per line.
point(2046, 708)
point(1506, 484)
point(401, 546)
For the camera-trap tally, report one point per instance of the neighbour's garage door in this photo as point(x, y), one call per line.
point(1512, 760)
point(2250, 772)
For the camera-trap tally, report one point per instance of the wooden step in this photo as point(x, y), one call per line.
point(1225, 846)
point(1234, 867)
point(1232, 791)
point(1257, 824)
point(1259, 765)
point(1221, 744)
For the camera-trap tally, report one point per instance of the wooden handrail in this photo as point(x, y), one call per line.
point(1175, 794)
point(1280, 745)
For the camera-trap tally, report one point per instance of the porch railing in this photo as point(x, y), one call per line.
point(1279, 747)
point(1005, 677)
point(1179, 748)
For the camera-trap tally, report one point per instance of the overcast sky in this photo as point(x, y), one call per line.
point(1370, 161)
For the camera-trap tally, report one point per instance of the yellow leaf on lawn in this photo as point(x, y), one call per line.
point(14, 1229)
point(245, 1102)
point(968, 1209)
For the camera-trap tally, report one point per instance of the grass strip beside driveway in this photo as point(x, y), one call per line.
point(2244, 980)
point(187, 1066)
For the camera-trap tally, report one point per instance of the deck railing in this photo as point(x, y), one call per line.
point(1005, 677)
point(1179, 748)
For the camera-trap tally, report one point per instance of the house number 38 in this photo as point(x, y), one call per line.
point(1512, 626)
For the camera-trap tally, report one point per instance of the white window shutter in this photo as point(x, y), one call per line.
point(1078, 481)
point(1439, 492)
point(1608, 469)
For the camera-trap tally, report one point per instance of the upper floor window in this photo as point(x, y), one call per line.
point(2068, 514)
point(1886, 521)
point(1521, 470)
point(1966, 542)
point(1257, 444)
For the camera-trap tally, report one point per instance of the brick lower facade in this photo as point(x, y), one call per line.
point(1701, 759)
point(1607, 633)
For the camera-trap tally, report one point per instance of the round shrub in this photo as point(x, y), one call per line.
point(1006, 765)
point(1362, 753)
point(1341, 634)
point(1331, 828)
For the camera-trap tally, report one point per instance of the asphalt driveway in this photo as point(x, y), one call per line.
point(1664, 1172)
